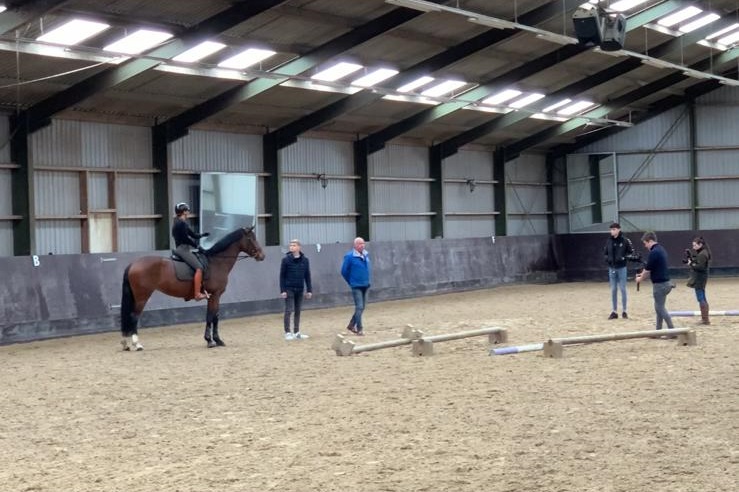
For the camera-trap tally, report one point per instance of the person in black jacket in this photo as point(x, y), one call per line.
point(617, 252)
point(185, 240)
point(699, 259)
point(294, 277)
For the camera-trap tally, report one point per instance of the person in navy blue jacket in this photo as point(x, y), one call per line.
point(294, 278)
point(656, 269)
point(356, 270)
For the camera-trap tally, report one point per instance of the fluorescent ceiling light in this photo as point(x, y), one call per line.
point(246, 58)
point(557, 105)
point(335, 72)
point(444, 88)
point(679, 16)
point(575, 108)
point(525, 101)
point(139, 41)
point(699, 22)
point(492, 22)
point(415, 84)
point(501, 97)
point(730, 39)
point(73, 32)
point(199, 52)
point(416, 5)
point(375, 77)
point(3, 8)
point(723, 31)
point(623, 5)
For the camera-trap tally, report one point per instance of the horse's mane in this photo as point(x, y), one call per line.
point(225, 242)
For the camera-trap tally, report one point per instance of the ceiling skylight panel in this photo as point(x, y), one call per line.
point(419, 82)
point(679, 16)
point(73, 32)
point(575, 108)
point(525, 101)
point(246, 58)
point(502, 97)
point(199, 52)
point(375, 77)
point(443, 88)
point(139, 41)
point(336, 72)
point(699, 22)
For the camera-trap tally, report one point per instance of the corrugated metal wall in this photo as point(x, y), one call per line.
point(317, 193)
point(526, 195)
point(654, 166)
point(400, 208)
point(469, 210)
point(559, 190)
point(207, 151)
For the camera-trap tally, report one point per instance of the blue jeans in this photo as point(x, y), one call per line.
point(617, 281)
point(659, 292)
point(360, 298)
point(700, 295)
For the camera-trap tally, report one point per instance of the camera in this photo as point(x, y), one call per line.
point(688, 257)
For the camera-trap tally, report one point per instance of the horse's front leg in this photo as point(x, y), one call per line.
point(215, 306)
point(211, 325)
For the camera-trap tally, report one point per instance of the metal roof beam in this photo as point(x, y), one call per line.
point(177, 126)
point(451, 145)
point(377, 140)
point(640, 93)
point(39, 114)
point(288, 133)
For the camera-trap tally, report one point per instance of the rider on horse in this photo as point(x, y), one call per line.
point(185, 240)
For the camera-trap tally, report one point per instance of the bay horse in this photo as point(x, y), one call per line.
point(151, 273)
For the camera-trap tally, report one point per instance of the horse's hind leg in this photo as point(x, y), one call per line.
point(216, 336)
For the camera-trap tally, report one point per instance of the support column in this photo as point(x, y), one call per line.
point(436, 191)
point(499, 191)
point(549, 164)
point(595, 191)
point(692, 128)
point(272, 187)
point(22, 190)
point(162, 187)
point(361, 188)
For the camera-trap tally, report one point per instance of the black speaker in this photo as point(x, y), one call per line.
point(589, 26)
point(614, 33)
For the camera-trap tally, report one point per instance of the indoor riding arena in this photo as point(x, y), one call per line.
point(389, 245)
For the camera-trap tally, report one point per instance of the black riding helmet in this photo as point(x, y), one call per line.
point(181, 208)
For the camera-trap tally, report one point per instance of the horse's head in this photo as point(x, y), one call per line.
point(250, 245)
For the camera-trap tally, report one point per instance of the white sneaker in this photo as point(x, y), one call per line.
point(301, 336)
point(289, 336)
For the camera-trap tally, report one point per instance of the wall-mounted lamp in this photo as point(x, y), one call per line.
point(471, 184)
point(323, 180)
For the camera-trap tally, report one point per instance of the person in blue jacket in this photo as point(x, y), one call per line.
point(294, 277)
point(356, 270)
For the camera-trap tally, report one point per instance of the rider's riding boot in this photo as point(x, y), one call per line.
point(198, 284)
point(705, 320)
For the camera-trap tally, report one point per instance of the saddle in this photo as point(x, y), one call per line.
point(183, 271)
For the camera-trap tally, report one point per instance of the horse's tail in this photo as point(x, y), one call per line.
point(128, 319)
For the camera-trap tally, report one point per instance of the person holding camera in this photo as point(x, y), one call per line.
point(617, 252)
point(656, 269)
point(698, 260)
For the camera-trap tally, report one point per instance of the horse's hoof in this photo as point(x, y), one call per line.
point(211, 344)
point(139, 347)
point(220, 342)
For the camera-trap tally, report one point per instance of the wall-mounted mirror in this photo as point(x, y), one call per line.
point(227, 201)
point(592, 194)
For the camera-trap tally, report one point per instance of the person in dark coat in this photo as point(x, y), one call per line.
point(185, 240)
point(699, 259)
point(294, 279)
point(617, 251)
point(656, 269)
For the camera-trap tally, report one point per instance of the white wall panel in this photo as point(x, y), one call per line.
point(648, 134)
point(718, 162)
point(657, 221)
point(307, 196)
point(56, 193)
point(726, 94)
point(400, 228)
point(651, 196)
point(6, 192)
point(135, 194)
point(459, 198)
point(400, 161)
point(716, 125)
point(461, 226)
point(719, 194)
point(67, 143)
point(97, 191)
point(136, 235)
point(399, 196)
point(316, 156)
point(473, 164)
point(6, 238)
point(217, 151)
point(4, 140)
point(319, 230)
point(58, 237)
point(669, 165)
point(718, 219)
point(527, 226)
